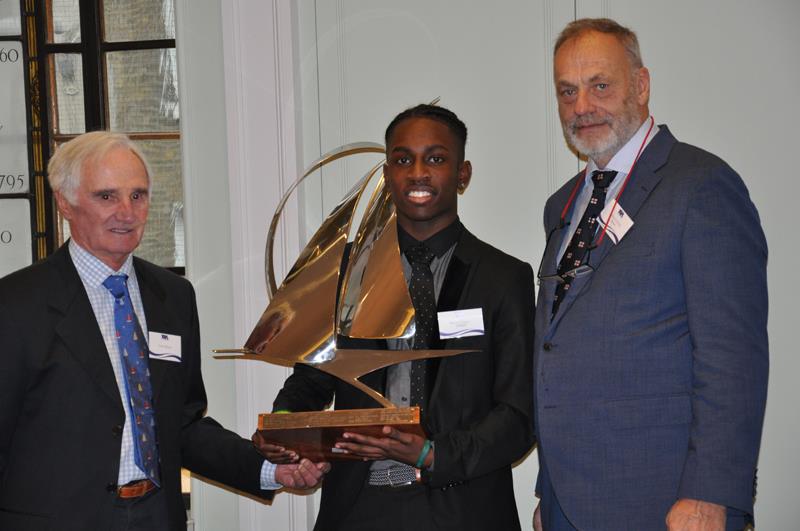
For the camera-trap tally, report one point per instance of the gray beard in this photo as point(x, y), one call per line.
point(622, 130)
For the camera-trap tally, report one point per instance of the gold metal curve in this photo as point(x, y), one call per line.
point(327, 158)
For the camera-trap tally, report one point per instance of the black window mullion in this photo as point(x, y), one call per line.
point(94, 98)
point(137, 45)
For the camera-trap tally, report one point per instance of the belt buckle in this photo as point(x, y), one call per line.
point(392, 483)
point(135, 489)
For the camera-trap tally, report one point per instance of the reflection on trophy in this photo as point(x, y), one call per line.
point(314, 307)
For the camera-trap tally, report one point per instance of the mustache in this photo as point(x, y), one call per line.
point(587, 120)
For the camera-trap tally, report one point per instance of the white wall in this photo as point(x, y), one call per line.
point(207, 221)
point(259, 86)
point(303, 77)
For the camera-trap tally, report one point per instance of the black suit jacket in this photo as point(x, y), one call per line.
point(480, 406)
point(61, 415)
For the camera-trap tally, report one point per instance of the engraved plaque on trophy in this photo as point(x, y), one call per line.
point(314, 434)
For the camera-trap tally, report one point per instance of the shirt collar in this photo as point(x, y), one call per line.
point(625, 157)
point(93, 270)
point(439, 243)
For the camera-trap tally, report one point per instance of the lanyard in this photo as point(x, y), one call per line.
point(616, 198)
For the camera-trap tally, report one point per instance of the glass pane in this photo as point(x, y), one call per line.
point(9, 17)
point(13, 125)
point(143, 90)
point(163, 241)
point(65, 21)
point(15, 235)
point(66, 83)
point(138, 20)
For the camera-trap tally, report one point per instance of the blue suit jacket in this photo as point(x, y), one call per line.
point(650, 382)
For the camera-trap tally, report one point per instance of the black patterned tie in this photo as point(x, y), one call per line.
point(423, 297)
point(576, 251)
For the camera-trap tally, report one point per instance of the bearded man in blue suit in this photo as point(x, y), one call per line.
point(651, 353)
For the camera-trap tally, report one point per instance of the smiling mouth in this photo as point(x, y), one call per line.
point(419, 196)
point(121, 231)
point(590, 126)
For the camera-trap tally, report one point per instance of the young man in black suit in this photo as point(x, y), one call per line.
point(476, 407)
point(96, 422)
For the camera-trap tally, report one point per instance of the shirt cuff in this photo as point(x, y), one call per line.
point(268, 476)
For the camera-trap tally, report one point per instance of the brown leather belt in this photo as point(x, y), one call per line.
point(135, 489)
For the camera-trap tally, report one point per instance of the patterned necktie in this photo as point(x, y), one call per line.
point(579, 245)
point(134, 353)
point(423, 297)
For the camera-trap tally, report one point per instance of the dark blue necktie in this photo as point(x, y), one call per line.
point(134, 353)
point(576, 251)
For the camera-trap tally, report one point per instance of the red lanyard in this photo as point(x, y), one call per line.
point(616, 198)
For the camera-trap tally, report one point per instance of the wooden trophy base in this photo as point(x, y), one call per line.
point(313, 434)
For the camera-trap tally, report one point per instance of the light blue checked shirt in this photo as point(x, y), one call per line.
point(93, 272)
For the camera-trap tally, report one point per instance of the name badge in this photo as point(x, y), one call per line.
point(165, 347)
point(618, 222)
point(461, 323)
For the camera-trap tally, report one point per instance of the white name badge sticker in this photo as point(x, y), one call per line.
point(461, 323)
point(619, 222)
point(165, 347)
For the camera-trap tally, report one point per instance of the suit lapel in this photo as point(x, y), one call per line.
point(459, 271)
point(549, 265)
point(642, 182)
point(153, 300)
point(556, 228)
point(78, 328)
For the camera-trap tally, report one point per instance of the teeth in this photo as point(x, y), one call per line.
point(418, 193)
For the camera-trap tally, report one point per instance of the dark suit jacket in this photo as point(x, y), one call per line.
point(61, 414)
point(479, 413)
point(651, 379)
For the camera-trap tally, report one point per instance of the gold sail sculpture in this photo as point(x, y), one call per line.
point(312, 308)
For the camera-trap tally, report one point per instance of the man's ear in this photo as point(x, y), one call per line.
point(63, 205)
point(464, 176)
point(643, 86)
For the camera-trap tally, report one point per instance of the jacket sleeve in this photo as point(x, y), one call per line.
point(207, 448)
point(13, 376)
point(307, 389)
point(724, 258)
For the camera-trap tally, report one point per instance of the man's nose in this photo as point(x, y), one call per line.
point(125, 209)
point(583, 104)
point(419, 170)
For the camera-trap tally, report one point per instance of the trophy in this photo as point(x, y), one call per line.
point(311, 309)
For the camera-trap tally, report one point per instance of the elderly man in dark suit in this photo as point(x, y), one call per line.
point(101, 396)
point(476, 407)
point(651, 351)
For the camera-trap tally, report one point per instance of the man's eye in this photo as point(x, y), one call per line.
point(436, 159)
point(404, 160)
point(601, 86)
point(105, 197)
point(566, 93)
point(136, 195)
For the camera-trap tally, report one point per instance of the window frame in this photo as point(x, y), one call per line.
point(93, 51)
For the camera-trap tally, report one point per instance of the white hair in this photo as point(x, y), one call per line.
point(66, 166)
